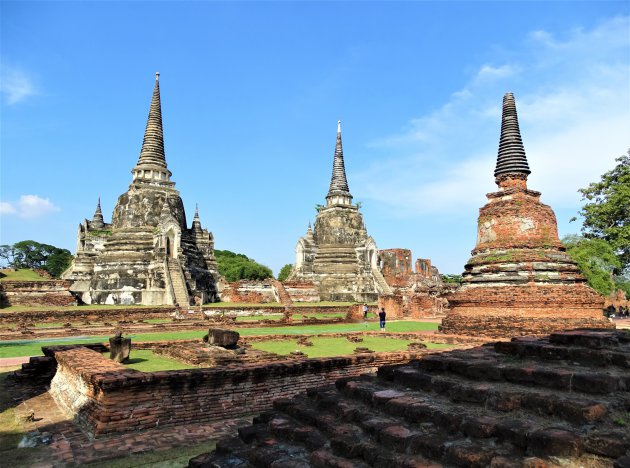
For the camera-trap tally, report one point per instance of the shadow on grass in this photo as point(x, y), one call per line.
point(135, 361)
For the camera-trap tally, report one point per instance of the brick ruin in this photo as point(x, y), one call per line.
point(558, 401)
point(337, 254)
point(519, 279)
point(46, 293)
point(415, 293)
point(147, 254)
point(105, 397)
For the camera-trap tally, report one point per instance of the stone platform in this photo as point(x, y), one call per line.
point(563, 400)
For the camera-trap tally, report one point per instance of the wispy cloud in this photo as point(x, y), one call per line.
point(15, 85)
point(573, 101)
point(29, 206)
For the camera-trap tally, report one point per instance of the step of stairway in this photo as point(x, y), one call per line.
point(497, 367)
point(475, 408)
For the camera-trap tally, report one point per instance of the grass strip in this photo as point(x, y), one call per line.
point(33, 347)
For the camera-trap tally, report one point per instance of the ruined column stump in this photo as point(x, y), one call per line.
point(119, 348)
point(222, 337)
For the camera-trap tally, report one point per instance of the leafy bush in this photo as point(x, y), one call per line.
point(234, 267)
point(457, 279)
point(596, 259)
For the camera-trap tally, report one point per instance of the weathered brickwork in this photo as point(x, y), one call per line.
point(519, 279)
point(396, 266)
point(248, 291)
point(557, 401)
point(115, 399)
point(301, 291)
point(35, 293)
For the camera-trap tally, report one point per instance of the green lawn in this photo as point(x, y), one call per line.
point(20, 275)
point(33, 347)
point(324, 347)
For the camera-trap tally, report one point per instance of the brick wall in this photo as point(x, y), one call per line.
point(79, 314)
point(396, 266)
point(105, 397)
point(35, 293)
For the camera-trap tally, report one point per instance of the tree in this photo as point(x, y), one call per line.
point(31, 254)
point(285, 271)
point(456, 279)
point(607, 211)
point(234, 267)
point(597, 261)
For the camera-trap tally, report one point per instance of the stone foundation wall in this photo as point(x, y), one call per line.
point(36, 293)
point(525, 310)
point(78, 314)
point(105, 397)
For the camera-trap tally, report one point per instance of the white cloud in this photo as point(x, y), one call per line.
point(573, 102)
point(16, 85)
point(29, 206)
point(6, 208)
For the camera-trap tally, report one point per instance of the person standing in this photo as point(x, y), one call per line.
point(381, 318)
point(365, 311)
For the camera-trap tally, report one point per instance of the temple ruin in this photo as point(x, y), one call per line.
point(147, 254)
point(337, 255)
point(519, 279)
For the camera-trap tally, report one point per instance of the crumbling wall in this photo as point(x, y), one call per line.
point(301, 291)
point(248, 291)
point(36, 293)
point(396, 266)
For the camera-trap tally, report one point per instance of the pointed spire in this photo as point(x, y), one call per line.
point(152, 151)
point(511, 158)
point(338, 181)
point(196, 221)
point(97, 219)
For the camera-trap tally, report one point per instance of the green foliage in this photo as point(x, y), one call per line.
point(607, 210)
point(234, 267)
point(285, 271)
point(452, 279)
point(31, 254)
point(596, 259)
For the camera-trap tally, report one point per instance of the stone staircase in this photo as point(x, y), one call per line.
point(280, 293)
point(178, 282)
point(559, 401)
point(381, 285)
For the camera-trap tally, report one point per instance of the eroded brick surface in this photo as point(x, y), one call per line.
point(506, 405)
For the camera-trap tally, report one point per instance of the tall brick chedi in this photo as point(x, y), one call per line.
point(147, 254)
point(519, 279)
point(337, 255)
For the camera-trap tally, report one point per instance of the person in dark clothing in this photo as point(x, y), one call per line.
point(381, 318)
point(365, 311)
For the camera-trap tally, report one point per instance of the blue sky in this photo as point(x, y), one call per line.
point(251, 95)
